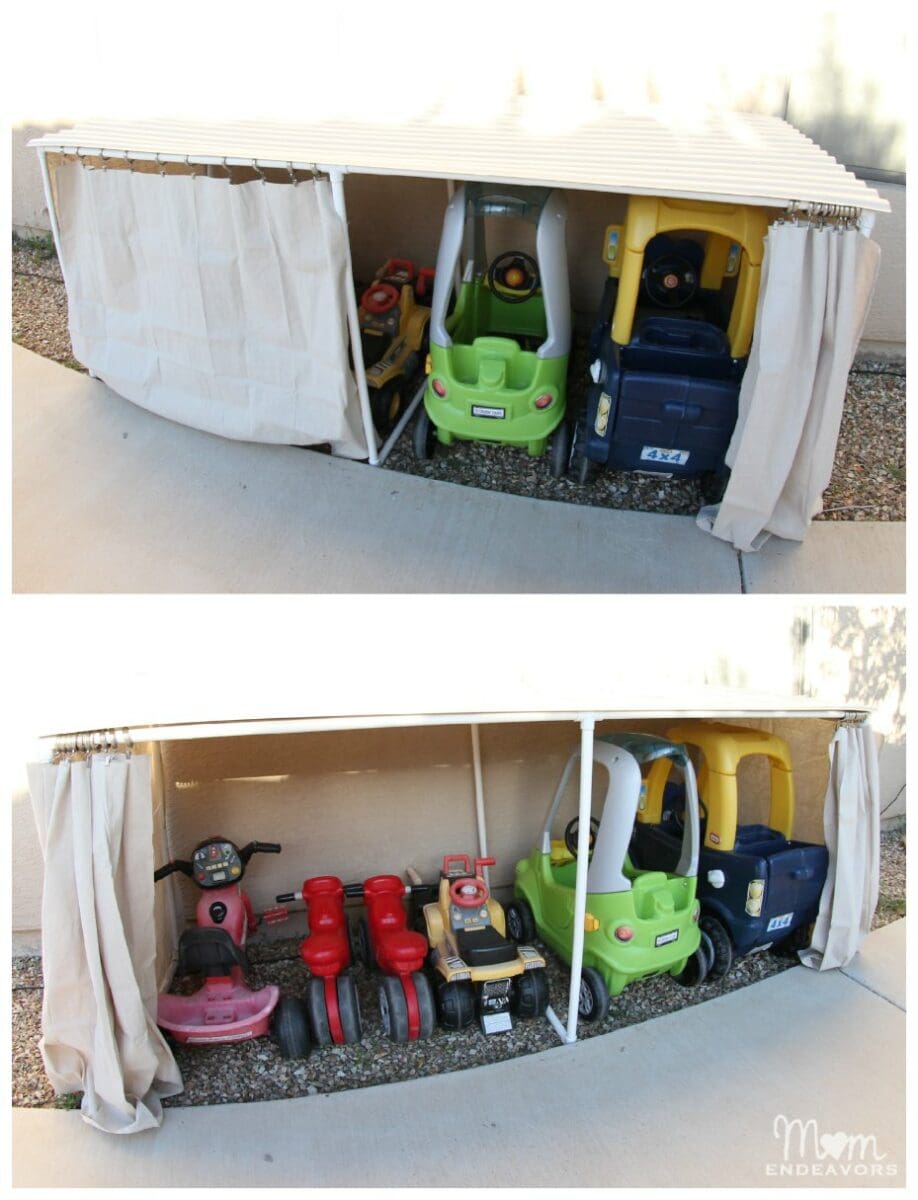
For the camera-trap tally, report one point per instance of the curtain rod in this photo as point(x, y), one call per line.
point(129, 735)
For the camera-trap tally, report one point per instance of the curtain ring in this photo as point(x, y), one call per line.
point(129, 161)
point(162, 165)
point(227, 169)
point(292, 174)
point(258, 171)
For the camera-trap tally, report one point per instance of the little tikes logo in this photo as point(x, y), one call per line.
point(807, 1152)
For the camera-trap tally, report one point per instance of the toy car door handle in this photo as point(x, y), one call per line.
point(685, 412)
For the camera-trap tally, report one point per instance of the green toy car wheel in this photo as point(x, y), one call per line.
point(696, 969)
point(593, 999)
point(559, 451)
point(530, 994)
point(723, 946)
point(520, 921)
point(424, 437)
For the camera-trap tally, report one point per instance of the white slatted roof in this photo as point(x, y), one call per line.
point(731, 157)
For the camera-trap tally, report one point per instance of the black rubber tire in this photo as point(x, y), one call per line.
point(584, 470)
point(521, 926)
point(530, 994)
point(695, 970)
point(712, 485)
point(798, 940)
point(593, 1001)
point(424, 437)
point(722, 943)
point(559, 451)
point(318, 1012)
point(362, 945)
point(387, 404)
point(427, 1005)
point(708, 947)
point(456, 1005)
point(291, 1027)
point(349, 1009)
point(393, 1008)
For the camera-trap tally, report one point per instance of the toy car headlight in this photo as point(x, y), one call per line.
point(755, 894)
point(543, 401)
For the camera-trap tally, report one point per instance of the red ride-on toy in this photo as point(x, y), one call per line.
point(382, 939)
point(334, 1010)
point(224, 1008)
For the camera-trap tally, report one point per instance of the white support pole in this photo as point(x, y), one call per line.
point(49, 200)
point(353, 320)
point(402, 421)
point(479, 801)
point(587, 726)
point(554, 1021)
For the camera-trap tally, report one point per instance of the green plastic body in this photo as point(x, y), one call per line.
point(486, 367)
point(656, 906)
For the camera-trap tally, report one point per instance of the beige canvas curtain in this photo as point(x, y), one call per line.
point(99, 1033)
point(852, 832)
point(815, 294)
point(221, 306)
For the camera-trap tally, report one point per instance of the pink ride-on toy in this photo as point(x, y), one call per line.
point(382, 939)
point(334, 1011)
point(224, 1008)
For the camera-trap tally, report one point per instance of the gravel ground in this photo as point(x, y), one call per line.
point(868, 480)
point(255, 1070)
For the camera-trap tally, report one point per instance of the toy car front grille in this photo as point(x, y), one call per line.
point(495, 989)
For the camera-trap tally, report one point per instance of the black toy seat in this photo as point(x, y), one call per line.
point(208, 952)
point(484, 947)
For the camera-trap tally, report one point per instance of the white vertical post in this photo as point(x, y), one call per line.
point(353, 320)
point(49, 200)
point(587, 726)
point(479, 801)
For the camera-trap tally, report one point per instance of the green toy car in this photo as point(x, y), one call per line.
point(637, 923)
point(498, 362)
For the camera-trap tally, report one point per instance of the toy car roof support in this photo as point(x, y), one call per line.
point(621, 757)
point(743, 224)
point(466, 211)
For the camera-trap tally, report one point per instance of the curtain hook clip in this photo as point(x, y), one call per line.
point(162, 165)
point(129, 161)
point(228, 170)
point(292, 174)
point(258, 171)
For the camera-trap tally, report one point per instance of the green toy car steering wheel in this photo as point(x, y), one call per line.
point(513, 276)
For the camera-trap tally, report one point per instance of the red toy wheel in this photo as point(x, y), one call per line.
point(468, 893)
point(379, 298)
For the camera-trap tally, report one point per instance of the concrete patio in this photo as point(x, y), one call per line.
point(692, 1099)
point(109, 498)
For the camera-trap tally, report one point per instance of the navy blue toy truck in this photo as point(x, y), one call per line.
point(671, 339)
point(757, 886)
